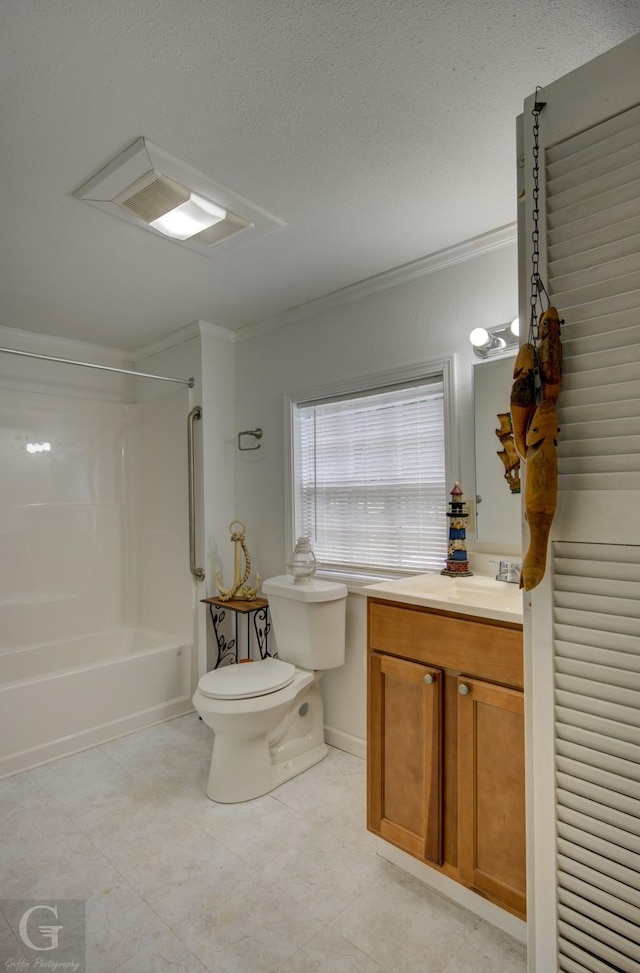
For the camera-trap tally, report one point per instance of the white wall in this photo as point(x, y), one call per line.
point(426, 318)
point(207, 354)
point(156, 463)
point(219, 454)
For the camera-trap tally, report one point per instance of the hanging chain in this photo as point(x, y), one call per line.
point(537, 287)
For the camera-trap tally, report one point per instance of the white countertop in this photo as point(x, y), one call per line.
point(479, 595)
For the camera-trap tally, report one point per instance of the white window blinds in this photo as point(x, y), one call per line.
point(369, 474)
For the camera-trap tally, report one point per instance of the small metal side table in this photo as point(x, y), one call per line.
point(256, 611)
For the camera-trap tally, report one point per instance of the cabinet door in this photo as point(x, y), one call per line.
point(405, 755)
point(491, 809)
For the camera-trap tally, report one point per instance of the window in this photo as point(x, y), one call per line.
point(369, 477)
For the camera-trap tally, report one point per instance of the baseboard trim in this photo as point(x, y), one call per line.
point(493, 914)
point(94, 737)
point(345, 741)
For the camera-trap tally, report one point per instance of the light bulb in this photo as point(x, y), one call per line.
point(189, 218)
point(479, 337)
point(515, 327)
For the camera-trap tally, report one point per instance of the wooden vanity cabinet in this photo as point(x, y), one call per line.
point(446, 745)
point(406, 707)
point(491, 811)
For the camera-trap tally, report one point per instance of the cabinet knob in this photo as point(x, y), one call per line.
point(463, 689)
point(428, 678)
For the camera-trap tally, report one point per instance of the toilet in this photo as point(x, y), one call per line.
point(267, 717)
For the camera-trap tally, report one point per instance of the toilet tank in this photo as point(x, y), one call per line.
point(308, 619)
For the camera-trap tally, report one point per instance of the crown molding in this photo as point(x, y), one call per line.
point(169, 341)
point(215, 331)
point(432, 263)
point(193, 330)
point(45, 344)
point(503, 236)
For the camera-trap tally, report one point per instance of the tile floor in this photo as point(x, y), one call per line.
point(290, 882)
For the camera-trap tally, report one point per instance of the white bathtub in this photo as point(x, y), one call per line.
point(62, 697)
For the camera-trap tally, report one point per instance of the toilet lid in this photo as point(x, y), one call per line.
point(245, 681)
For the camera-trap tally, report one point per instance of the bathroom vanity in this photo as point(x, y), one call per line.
point(446, 729)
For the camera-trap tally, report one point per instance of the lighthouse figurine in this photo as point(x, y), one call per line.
point(458, 514)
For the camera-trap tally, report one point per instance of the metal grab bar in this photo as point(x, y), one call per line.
point(198, 573)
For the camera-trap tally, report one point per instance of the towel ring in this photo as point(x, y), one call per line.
point(256, 433)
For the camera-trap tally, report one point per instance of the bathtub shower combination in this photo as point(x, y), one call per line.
point(97, 603)
point(61, 697)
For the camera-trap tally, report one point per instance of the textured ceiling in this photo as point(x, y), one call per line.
point(379, 131)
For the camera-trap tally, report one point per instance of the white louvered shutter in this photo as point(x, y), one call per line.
point(583, 631)
point(593, 249)
point(596, 611)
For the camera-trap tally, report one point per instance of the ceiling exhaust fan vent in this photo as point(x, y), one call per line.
point(155, 199)
point(144, 185)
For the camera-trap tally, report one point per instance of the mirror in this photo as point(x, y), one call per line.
point(498, 513)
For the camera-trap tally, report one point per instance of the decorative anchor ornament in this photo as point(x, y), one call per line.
point(240, 590)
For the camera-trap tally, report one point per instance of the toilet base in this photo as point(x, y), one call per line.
point(291, 768)
point(258, 778)
point(251, 757)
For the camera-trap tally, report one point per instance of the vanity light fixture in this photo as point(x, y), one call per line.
point(495, 341)
point(156, 191)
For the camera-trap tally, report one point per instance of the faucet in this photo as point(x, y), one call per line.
point(508, 571)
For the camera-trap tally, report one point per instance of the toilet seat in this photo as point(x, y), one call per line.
point(247, 681)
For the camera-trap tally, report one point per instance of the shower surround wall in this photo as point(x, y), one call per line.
point(94, 539)
point(88, 540)
point(63, 518)
point(156, 466)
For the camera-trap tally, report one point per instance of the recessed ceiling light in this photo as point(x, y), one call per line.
point(190, 218)
point(149, 187)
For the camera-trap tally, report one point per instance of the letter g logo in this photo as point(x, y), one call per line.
point(48, 932)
